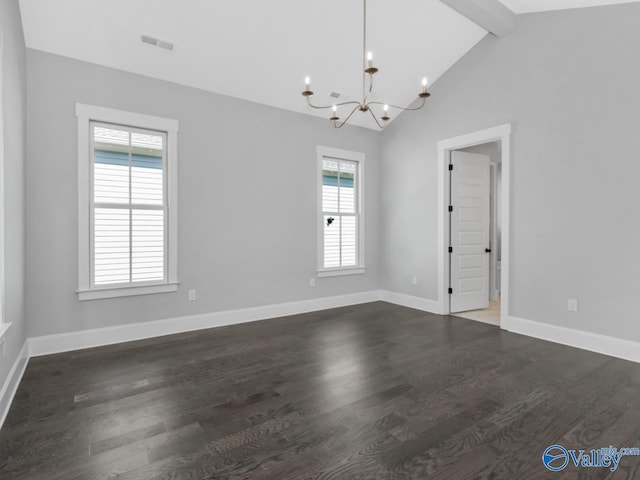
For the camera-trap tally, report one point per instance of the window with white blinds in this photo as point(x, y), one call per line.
point(127, 203)
point(128, 235)
point(341, 209)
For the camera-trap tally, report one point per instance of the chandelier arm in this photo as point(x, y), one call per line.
point(321, 107)
point(374, 117)
point(341, 124)
point(407, 109)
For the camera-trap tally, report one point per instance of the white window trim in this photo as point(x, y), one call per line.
point(359, 158)
point(86, 114)
point(337, 272)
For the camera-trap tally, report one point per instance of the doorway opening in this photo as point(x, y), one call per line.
point(474, 228)
point(474, 225)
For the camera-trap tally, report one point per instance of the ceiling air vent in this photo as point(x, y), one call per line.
point(149, 40)
point(166, 45)
point(156, 42)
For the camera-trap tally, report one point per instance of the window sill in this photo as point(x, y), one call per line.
point(4, 328)
point(337, 272)
point(98, 293)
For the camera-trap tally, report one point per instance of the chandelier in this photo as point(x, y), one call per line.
point(364, 105)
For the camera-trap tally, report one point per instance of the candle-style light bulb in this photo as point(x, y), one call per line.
point(307, 88)
point(424, 84)
point(370, 58)
point(385, 115)
point(334, 116)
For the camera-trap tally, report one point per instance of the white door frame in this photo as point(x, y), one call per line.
point(493, 233)
point(500, 133)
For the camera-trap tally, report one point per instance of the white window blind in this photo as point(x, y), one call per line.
point(128, 205)
point(339, 208)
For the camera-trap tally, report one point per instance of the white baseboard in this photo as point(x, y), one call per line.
point(66, 342)
point(419, 303)
point(10, 386)
point(594, 342)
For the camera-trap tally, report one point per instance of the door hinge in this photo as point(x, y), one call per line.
point(450, 249)
point(451, 208)
point(450, 290)
point(451, 166)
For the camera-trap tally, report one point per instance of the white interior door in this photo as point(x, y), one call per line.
point(469, 238)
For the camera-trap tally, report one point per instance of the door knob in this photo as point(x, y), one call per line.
point(487, 250)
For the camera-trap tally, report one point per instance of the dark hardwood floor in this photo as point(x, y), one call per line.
point(374, 391)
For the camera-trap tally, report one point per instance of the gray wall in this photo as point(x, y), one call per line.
point(247, 198)
point(14, 182)
point(568, 81)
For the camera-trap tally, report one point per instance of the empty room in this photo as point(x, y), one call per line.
point(319, 240)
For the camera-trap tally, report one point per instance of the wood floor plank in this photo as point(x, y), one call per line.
point(373, 391)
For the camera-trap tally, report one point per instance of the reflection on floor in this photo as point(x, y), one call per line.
point(489, 315)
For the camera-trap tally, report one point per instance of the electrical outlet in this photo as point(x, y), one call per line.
point(312, 282)
point(192, 295)
point(572, 305)
point(414, 281)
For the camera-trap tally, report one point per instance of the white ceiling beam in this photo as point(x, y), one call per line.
point(491, 15)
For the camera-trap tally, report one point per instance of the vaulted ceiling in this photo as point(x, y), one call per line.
point(262, 50)
point(528, 6)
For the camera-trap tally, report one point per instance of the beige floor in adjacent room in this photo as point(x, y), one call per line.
point(489, 315)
